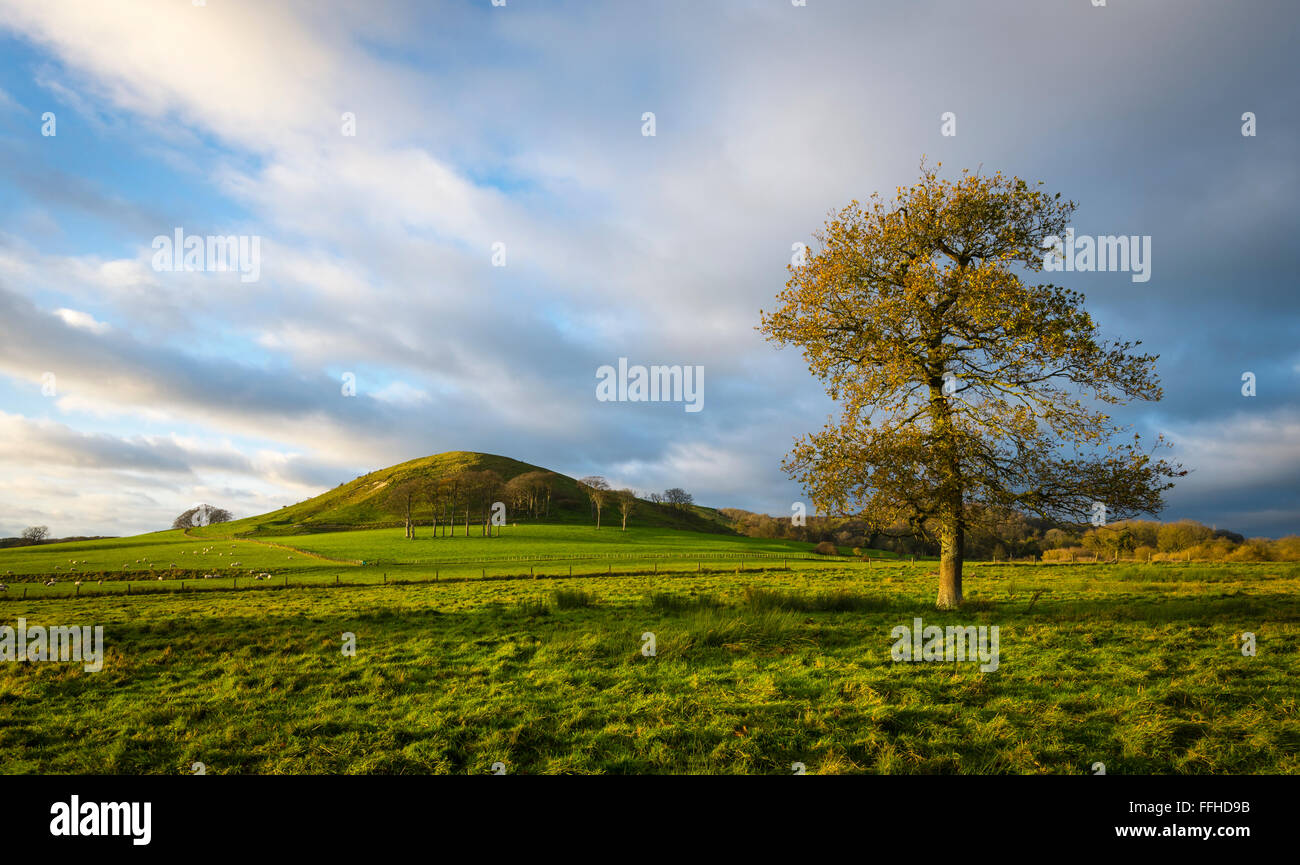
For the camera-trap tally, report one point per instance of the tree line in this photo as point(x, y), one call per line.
point(599, 494)
point(1001, 536)
point(469, 496)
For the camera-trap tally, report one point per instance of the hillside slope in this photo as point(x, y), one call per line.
point(364, 502)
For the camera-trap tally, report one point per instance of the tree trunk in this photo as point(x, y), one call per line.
point(950, 562)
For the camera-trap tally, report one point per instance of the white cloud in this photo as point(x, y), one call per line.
point(82, 320)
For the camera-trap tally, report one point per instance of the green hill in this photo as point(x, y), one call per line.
point(365, 503)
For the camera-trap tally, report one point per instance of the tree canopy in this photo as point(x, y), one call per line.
point(959, 383)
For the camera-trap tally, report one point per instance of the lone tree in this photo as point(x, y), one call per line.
point(596, 489)
point(201, 515)
point(679, 498)
point(403, 497)
point(36, 534)
point(626, 504)
point(963, 389)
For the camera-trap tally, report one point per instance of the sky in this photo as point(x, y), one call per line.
point(459, 217)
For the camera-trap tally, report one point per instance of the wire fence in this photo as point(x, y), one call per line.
point(502, 568)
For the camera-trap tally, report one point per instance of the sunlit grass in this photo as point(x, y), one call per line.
point(752, 672)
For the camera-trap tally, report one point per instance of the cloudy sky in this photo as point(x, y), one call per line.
point(128, 393)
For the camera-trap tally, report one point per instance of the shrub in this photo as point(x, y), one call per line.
point(826, 548)
point(671, 603)
point(820, 602)
point(568, 599)
point(1253, 550)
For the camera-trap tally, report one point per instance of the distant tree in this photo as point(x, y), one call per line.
point(596, 489)
point(531, 492)
point(1182, 535)
point(656, 498)
point(452, 488)
point(36, 534)
point(1057, 538)
point(201, 515)
point(403, 496)
point(489, 489)
point(432, 491)
point(626, 503)
point(679, 497)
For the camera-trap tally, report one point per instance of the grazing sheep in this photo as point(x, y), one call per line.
point(77, 583)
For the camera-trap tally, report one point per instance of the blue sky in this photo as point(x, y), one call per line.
point(522, 125)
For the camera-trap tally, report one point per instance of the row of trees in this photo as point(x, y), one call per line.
point(471, 493)
point(1003, 536)
point(599, 494)
point(1145, 540)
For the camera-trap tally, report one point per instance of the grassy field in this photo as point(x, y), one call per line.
point(1137, 667)
point(174, 560)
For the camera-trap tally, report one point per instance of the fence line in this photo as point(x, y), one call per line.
point(316, 580)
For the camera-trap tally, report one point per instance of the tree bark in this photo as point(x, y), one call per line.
point(950, 562)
